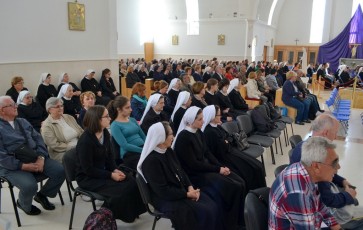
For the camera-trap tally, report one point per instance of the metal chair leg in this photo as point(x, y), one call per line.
point(60, 197)
point(272, 154)
point(14, 205)
point(276, 145)
point(282, 153)
point(69, 191)
point(292, 130)
point(73, 206)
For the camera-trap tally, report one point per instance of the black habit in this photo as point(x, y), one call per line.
point(45, 92)
point(34, 113)
point(13, 93)
point(72, 107)
point(169, 185)
point(96, 164)
point(151, 118)
point(178, 116)
point(93, 86)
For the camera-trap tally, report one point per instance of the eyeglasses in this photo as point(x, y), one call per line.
point(106, 116)
point(58, 106)
point(13, 105)
point(334, 165)
point(28, 97)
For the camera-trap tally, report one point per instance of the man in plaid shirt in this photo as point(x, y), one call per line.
point(294, 199)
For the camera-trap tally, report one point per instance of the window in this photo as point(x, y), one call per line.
point(272, 10)
point(317, 21)
point(279, 56)
point(355, 5)
point(192, 17)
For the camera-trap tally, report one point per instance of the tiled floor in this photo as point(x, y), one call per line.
point(348, 150)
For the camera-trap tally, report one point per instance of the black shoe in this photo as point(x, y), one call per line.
point(307, 121)
point(43, 200)
point(33, 211)
point(299, 123)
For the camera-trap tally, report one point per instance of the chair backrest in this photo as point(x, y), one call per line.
point(245, 123)
point(294, 140)
point(70, 164)
point(279, 169)
point(144, 191)
point(231, 127)
point(256, 209)
point(290, 152)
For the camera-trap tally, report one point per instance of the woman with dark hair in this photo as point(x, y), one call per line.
point(107, 86)
point(225, 188)
point(98, 172)
point(45, 89)
point(210, 94)
point(17, 85)
point(171, 190)
point(30, 110)
point(248, 168)
point(198, 95)
point(126, 131)
point(138, 100)
point(72, 106)
point(89, 83)
point(154, 112)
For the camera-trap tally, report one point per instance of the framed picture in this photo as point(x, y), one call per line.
point(76, 16)
point(175, 40)
point(221, 39)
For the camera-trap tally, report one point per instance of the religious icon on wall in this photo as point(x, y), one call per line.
point(175, 40)
point(221, 39)
point(76, 16)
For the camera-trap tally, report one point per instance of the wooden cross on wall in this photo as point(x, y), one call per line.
point(296, 40)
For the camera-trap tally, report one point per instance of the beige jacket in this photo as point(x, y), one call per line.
point(53, 136)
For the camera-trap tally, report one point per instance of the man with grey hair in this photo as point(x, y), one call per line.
point(15, 133)
point(218, 73)
point(294, 200)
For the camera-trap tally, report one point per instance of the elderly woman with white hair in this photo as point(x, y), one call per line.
point(171, 190)
point(60, 131)
point(182, 104)
point(45, 89)
point(64, 79)
point(30, 110)
point(89, 83)
point(153, 112)
point(72, 105)
point(225, 187)
point(219, 144)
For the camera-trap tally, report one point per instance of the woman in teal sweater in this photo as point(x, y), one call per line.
point(126, 131)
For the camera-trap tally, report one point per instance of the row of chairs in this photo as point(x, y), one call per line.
point(341, 109)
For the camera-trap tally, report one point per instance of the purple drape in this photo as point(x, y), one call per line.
point(339, 47)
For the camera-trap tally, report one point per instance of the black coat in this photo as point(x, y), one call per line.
point(107, 87)
point(13, 93)
point(34, 113)
point(198, 103)
point(93, 86)
point(217, 77)
point(237, 101)
point(211, 99)
point(45, 92)
point(178, 116)
point(173, 97)
point(72, 107)
point(151, 118)
point(75, 87)
point(131, 79)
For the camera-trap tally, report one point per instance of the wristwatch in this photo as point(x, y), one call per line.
point(41, 157)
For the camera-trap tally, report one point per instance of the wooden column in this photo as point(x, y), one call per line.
point(149, 51)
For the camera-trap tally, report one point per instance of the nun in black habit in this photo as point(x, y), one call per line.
point(171, 190)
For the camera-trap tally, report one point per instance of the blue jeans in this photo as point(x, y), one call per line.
point(28, 185)
point(302, 108)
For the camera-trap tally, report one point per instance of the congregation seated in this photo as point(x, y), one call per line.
point(197, 75)
point(17, 85)
point(45, 89)
point(248, 168)
point(97, 171)
point(272, 82)
point(60, 131)
point(198, 95)
point(344, 78)
point(188, 71)
point(173, 91)
point(126, 131)
point(291, 96)
point(141, 73)
point(87, 101)
point(205, 172)
point(138, 100)
point(153, 112)
point(131, 77)
point(71, 105)
point(235, 96)
point(218, 75)
point(241, 75)
point(172, 192)
point(16, 135)
point(64, 79)
point(182, 104)
point(89, 83)
point(30, 110)
point(107, 86)
point(323, 74)
point(207, 74)
point(225, 103)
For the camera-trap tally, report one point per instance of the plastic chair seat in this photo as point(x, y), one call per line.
point(264, 141)
point(254, 151)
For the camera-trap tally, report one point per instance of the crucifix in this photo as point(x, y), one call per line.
point(296, 40)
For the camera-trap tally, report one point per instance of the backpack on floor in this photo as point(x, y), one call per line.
point(101, 219)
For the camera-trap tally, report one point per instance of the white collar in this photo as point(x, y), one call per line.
point(159, 150)
point(190, 129)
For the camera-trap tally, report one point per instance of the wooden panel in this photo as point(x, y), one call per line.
point(251, 103)
point(149, 51)
point(149, 83)
point(282, 52)
point(125, 91)
point(291, 112)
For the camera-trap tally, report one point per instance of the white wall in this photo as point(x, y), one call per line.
point(35, 38)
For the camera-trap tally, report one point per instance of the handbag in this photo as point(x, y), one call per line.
point(24, 153)
point(240, 140)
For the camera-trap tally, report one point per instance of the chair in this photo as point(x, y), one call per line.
point(70, 164)
point(294, 140)
point(254, 151)
point(245, 123)
point(256, 209)
point(145, 195)
point(279, 169)
point(38, 178)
